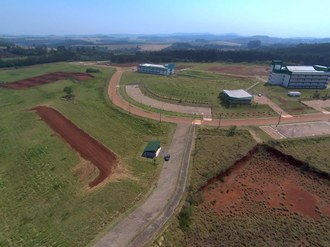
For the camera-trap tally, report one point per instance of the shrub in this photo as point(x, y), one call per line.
point(92, 70)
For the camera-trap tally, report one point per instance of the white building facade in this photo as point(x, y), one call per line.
point(315, 77)
point(166, 69)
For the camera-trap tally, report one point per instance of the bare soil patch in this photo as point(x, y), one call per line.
point(46, 78)
point(88, 148)
point(268, 182)
point(241, 70)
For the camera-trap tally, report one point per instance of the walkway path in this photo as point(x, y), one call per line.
point(265, 101)
point(318, 105)
point(146, 220)
point(135, 93)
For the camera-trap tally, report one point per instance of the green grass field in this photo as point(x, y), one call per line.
point(193, 87)
point(10, 74)
point(42, 201)
point(199, 225)
point(314, 151)
point(292, 105)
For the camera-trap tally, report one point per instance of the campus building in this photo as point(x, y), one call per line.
point(315, 76)
point(236, 96)
point(166, 69)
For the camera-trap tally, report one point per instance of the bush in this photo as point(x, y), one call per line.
point(92, 70)
point(184, 216)
point(232, 130)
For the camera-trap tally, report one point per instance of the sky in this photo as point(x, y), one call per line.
point(280, 18)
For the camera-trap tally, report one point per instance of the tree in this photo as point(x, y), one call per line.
point(254, 44)
point(68, 90)
point(232, 130)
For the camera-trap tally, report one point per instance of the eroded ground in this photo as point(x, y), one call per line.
point(88, 148)
point(46, 78)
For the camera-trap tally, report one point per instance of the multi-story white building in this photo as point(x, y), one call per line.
point(166, 69)
point(315, 76)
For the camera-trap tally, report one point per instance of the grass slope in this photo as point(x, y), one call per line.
point(199, 225)
point(314, 151)
point(42, 201)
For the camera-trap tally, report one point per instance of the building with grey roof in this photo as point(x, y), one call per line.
point(239, 96)
point(315, 76)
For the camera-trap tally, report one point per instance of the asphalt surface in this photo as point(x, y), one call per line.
point(139, 227)
point(146, 220)
point(121, 103)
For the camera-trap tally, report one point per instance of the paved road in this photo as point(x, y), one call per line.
point(121, 103)
point(135, 93)
point(146, 220)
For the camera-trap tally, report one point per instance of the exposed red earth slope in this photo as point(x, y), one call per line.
point(89, 148)
point(44, 79)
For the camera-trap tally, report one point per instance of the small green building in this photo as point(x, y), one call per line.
point(151, 149)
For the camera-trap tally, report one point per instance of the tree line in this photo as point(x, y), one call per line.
point(300, 54)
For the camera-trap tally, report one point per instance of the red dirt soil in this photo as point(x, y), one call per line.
point(46, 78)
point(265, 183)
point(89, 148)
point(241, 70)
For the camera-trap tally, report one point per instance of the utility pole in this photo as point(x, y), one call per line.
point(160, 116)
point(219, 120)
point(129, 108)
point(279, 119)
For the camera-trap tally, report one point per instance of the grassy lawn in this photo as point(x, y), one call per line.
point(43, 202)
point(193, 87)
point(198, 224)
point(10, 75)
point(292, 105)
point(314, 151)
point(214, 152)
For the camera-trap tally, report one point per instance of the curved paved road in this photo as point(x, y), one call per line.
point(144, 222)
point(121, 103)
point(135, 93)
point(147, 219)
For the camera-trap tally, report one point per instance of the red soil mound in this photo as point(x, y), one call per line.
point(89, 148)
point(44, 79)
point(241, 70)
point(266, 183)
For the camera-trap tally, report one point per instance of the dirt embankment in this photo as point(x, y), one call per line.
point(46, 78)
point(89, 148)
point(269, 182)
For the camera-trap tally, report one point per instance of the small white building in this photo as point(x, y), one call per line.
point(294, 94)
point(315, 76)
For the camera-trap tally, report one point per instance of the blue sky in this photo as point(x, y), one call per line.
point(281, 18)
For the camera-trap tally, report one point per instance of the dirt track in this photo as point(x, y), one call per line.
point(89, 148)
point(44, 79)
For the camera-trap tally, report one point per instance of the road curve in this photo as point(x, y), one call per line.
point(139, 227)
point(121, 103)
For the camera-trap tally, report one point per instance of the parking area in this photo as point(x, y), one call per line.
point(297, 130)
